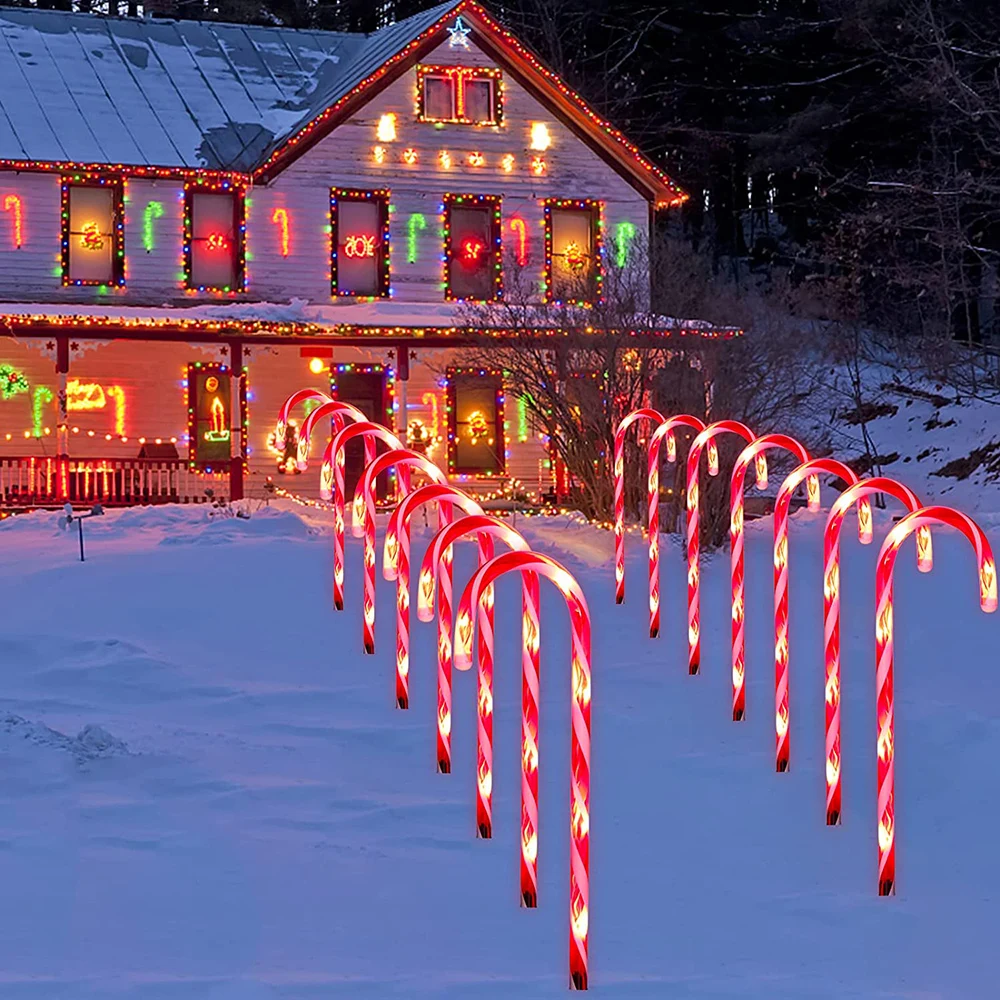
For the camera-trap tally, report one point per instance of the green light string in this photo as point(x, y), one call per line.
point(522, 419)
point(416, 224)
point(154, 210)
point(42, 395)
point(624, 234)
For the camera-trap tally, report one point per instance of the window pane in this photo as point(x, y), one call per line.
point(573, 264)
point(213, 243)
point(438, 97)
point(91, 234)
point(476, 446)
point(479, 100)
point(471, 268)
point(359, 247)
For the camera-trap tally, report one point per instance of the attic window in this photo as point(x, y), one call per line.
point(468, 95)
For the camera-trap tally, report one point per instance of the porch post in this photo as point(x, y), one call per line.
point(62, 426)
point(402, 377)
point(235, 421)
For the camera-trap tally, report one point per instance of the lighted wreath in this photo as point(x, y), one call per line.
point(11, 382)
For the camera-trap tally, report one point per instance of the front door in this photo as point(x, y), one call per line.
point(366, 387)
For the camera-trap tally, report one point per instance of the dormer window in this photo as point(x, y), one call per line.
point(468, 95)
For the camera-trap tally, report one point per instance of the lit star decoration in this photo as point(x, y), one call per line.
point(459, 33)
point(12, 382)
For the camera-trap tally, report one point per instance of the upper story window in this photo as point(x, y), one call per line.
point(573, 273)
point(214, 238)
point(93, 237)
point(471, 95)
point(472, 251)
point(359, 262)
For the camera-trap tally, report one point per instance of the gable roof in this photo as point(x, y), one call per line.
point(166, 95)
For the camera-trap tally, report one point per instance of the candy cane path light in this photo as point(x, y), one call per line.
point(331, 483)
point(753, 452)
point(810, 473)
point(579, 894)
point(487, 528)
point(299, 396)
point(885, 707)
point(655, 417)
point(665, 430)
point(334, 409)
point(396, 566)
point(363, 524)
point(859, 492)
point(705, 438)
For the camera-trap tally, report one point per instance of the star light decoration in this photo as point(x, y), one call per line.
point(459, 34)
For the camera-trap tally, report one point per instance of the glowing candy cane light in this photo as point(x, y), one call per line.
point(363, 525)
point(753, 452)
point(705, 438)
point(885, 707)
point(487, 528)
point(652, 416)
point(475, 592)
point(396, 566)
point(331, 484)
point(810, 473)
point(333, 409)
point(301, 396)
point(665, 430)
point(859, 492)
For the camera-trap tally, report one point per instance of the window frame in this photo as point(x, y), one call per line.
point(454, 74)
point(191, 190)
point(117, 186)
point(596, 209)
point(381, 197)
point(224, 374)
point(492, 203)
point(453, 377)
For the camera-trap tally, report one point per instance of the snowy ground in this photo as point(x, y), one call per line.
point(249, 817)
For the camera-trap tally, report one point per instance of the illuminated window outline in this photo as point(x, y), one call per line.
point(596, 210)
point(458, 77)
point(381, 197)
point(492, 205)
point(117, 186)
point(239, 248)
point(453, 377)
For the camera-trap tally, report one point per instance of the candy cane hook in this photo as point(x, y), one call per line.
point(300, 396)
point(335, 410)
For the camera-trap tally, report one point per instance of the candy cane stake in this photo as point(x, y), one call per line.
point(334, 409)
point(396, 566)
point(885, 708)
point(665, 430)
point(753, 452)
point(300, 396)
point(486, 529)
point(859, 492)
point(363, 525)
point(331, 484)
point(653, 416)
point(579, 893)
point(810, 473)
point(705, 438)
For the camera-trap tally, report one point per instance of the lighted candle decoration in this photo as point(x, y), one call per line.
point(280, 218)
point(386, 129)
point(152, 212)
point(436, 564)
point(295, 399)
point(650, 416)
point(331, 485)
point(859, 493)
point(12, 203)
point(541, 139)
point(707, 438)
point(396, 566)
point(754, 452)
point(333, 410)
point(809, 473)
point(885, 706)
point(474, 594)
point(666, 430)
point(363, 525)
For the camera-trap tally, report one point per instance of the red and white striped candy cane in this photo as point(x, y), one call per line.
point(363, 525)
point(396, 566)
point(655, 417)
point(335, 410)
point(486, 529)
point(810, 473)
point(331, 485)
point(705, 438)
point(753, 452)
point(665, 430)
point(885, 706)
point(285, 410)
point(859, 492)
point(579, 895)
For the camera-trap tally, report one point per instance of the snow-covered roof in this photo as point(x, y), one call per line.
point(77, 88)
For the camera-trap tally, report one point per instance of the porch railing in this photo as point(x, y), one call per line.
point(115, 482)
